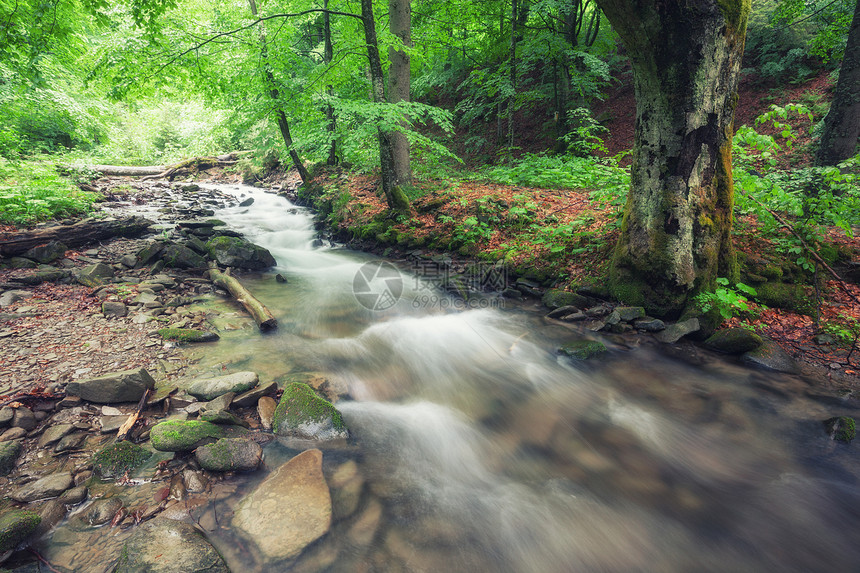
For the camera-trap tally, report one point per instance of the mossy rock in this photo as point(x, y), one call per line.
point(183, 436)
point(118, 458)
point(187, 335)
point(15, 526)
point(239, 253)
point(230, 455)
point(302, 413)
point(783, 295)
point(583, 349)
point(841, 428)
point(557, 298)
point(181, 257)
point(734, 340)
point(9, 452)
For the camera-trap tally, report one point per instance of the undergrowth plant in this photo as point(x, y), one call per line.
point(32, 191)
point(727, 300)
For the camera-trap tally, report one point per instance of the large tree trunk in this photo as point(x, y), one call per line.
point(842, 124)
point(676, 232)
point(394, 195)
point(77, 235)
point(399, 83)
point(274, 93)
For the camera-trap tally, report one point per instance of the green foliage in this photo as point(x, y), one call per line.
point(584, 140)
point(843, 328)
point(32, 191)
point(726, 300)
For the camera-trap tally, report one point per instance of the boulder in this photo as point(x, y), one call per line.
point(734, 340)
point(54, 434)
point(13, 296)
point(149, 253)
point(24, 418)
point(211, 388)
point(583, 349)
point(47, 253)
point(289, 510)
point(222, 417)
point(771, 357)
point(187, 335)
point(125, 386)
point(9, 452)
point(70, 442)
point(94, 275)
point(841, 428)
point(22, 263)
point(249, 398)
point(239, 253)
point(303, 414)
point(183, 436)
point(45, 275)
point(116, 459)
point(15, 526)
point(49, 486)
point(167, 546)
point(181, 257)
point(102, 510)
point(75, 495)
point(230, 454)
point(114, 308)
point(649, 324)
point(675, 332)
point(557, 298)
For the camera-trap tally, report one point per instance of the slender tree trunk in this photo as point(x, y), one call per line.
point(399, 83)
point(842, 124)
point(513, 73)
point(274, 93)
point(328, 55)
point(676, 232)
point(394, 195)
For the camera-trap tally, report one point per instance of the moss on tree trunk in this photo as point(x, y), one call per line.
point(676, 231)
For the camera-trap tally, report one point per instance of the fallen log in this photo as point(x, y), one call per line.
point(81, 233)
point(258, 311)
point(129, 423)
point(193, 165)
point(114, 170)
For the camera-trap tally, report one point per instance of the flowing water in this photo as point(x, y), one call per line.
point(479, 448)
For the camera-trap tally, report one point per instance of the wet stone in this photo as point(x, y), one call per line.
point(230, 454)
point(15, 526)
point(24, 418)
point(9, 452)
point(165, 546)
point(54, 434)
point(70, 442)
point(12, 434)
point(211, 388)
point(266, 410)
point(75, 495)
point(49, 486)
point(102, 510)
point(6, 415)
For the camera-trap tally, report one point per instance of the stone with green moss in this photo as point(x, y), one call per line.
point(734, 340)
point(118, 458)
point(181, 257)
point(187, 335)
point(583, 349)
point(783, 295)
point(9, 452)
point(841, 428)
point(15, 526)
point(301, 413)
point(557, 298)
point(183, 436)
point(239, 253)
point(211, 388)
point(230, 455)
point(222, 417)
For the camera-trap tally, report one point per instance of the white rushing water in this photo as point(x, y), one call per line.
point(489, 452)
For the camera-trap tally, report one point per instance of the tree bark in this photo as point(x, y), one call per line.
point(842, 124)
point(399, 83)
point(328, 55)
point(258, 311)
point(676, 231)
point(115, 170)
point(394, 196)
point(512, 61)
point(274, 93)
point(77, 235)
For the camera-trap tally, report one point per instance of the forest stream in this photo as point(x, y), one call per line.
point(475, 446)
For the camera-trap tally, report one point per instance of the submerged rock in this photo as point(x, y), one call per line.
point(15, 526)
point(289, 510)
point(187, 335)
point(841, 428)
point(118, 458)
point(211, 388)
point(583, 349)
point(183, 436)
point(239, 253)
point(125, 386)
point(102, 510)
point(556, 298)
point(230, 454)
point(167, 546)
point(303, 414)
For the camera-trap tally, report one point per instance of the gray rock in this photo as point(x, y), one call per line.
point(54, 434)
point(222, 417)
point(649, 324)
point(6, 415)
point(195, 481)
point(49, 486)
point(301, 413)
point(24, 418)
point(13, 296)
point(249, 398)
point(102, 510)
point(167, 546)
point(184, 436)
point(9, 452)
point(239, 253)
point(52, 513)
point(75, 495)
point(22, 263)
point(47, 253)
point(630, 313)
point(247, 202)
point(12, 434)
point(196, 245)
point(211, 388)
point(94, 275)
point(125, 386)
point(289, 510)
point(47, 274)
point(220, 403)
point(128, 261)
point(150, 253)
point(144, 298)
point(562, 311)
point(674, 332)
point(114, 308)
point(110, 424)
point(181, 257)
point(230, 454)
point(70, 442)
point(15, 526)
point(771, 357)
